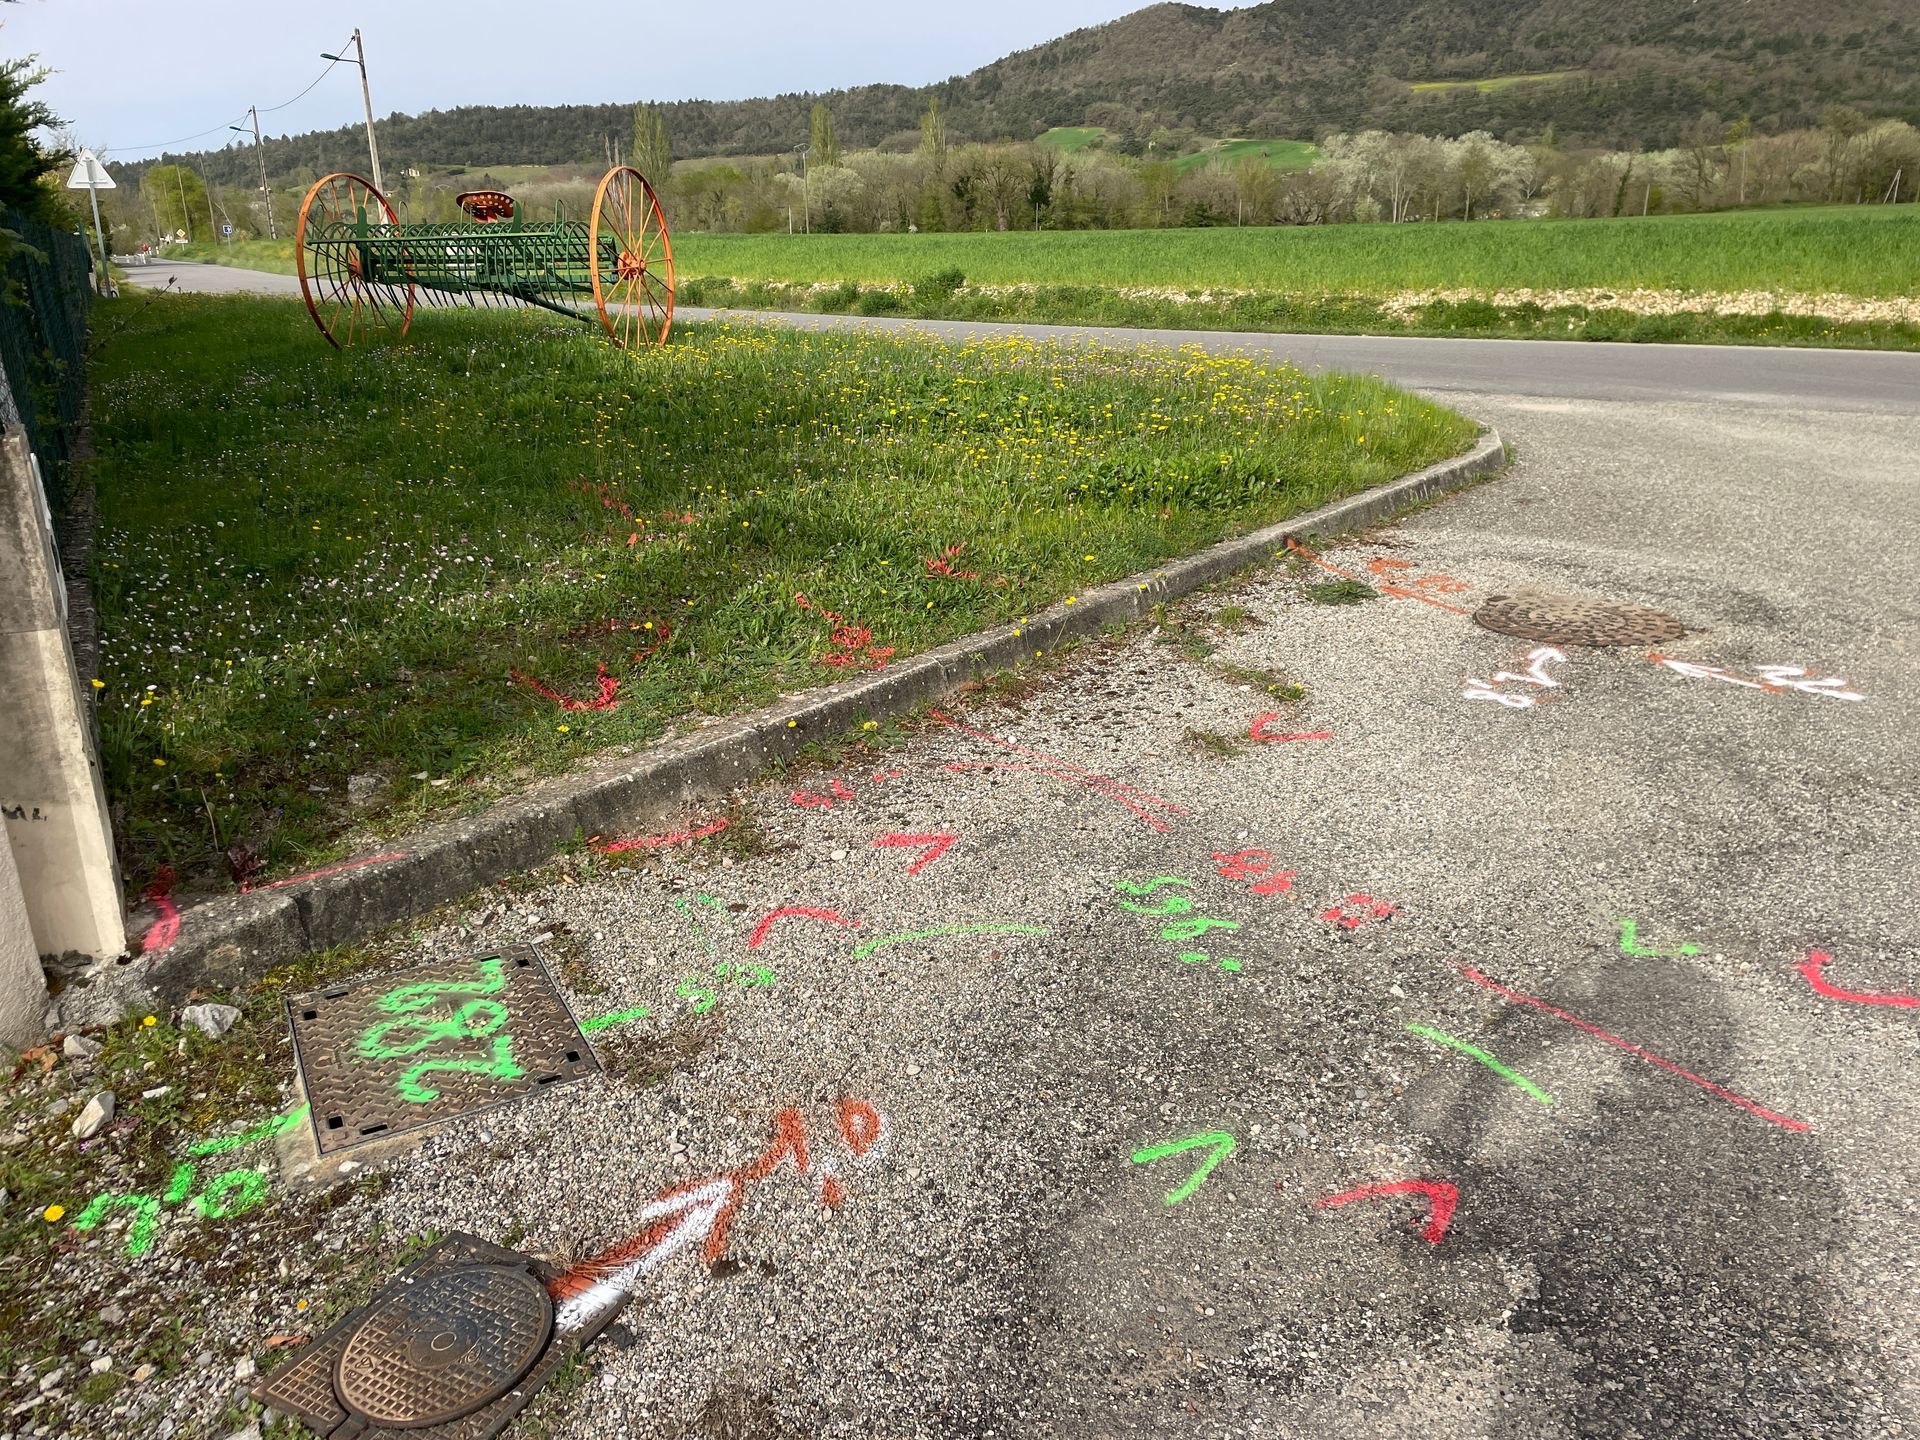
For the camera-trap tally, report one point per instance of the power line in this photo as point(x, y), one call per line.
point(216, 129)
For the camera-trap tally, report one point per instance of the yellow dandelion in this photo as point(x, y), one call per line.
point(53, 1213)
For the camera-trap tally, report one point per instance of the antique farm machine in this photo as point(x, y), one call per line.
point(362, 271)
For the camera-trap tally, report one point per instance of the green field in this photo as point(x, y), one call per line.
point(1487, 87)
point(1854, 250)
point(315, 564)
point(1281, 154)
point(1072, 137)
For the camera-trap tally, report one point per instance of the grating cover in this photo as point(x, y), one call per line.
point(304, 1386)
point(443, 1040)
point(1566, 620)
point(444, 1345)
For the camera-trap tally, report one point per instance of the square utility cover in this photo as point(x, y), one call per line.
point(446, 1039)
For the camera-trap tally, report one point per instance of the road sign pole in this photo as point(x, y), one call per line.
point(99, 237)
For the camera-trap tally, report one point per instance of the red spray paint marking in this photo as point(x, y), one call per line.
point(788, 912)
point(1818, 960)
point(811, 800)
point(1398, 592)
point(1356, 910)
point(608, 686)
point(935, 846)
point(1259, 730)
point(1117, 790)
point(164, 931)
point(654, 842)
point(339, 869)
point(1441, 1200)
point(1647, 1055)
point(860, 1125)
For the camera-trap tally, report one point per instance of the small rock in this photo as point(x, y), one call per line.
point(112, 1315)
point(51, 1380)
point(79, 1047)
point(244, 1368)
point(156, 1092)
point(213, 1020)
point(142, 1372)
point(59, 1107)
point(95, 1117)
point(913, 1069)
point(365, 789)
point(103, 1364)
point(838, 856)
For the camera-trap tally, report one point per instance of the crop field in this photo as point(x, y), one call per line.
point(480, 555)
point(1487, 87)
point(1858, 250)
point(1281, 154)
point(1072, 137)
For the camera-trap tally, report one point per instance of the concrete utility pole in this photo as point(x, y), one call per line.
point(260, 154)
point(366, 98)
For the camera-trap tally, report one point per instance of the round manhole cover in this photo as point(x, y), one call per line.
point(1566, 620)
point(444, 1346)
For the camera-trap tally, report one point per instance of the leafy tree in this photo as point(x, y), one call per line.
point(24, 165)
point(652, 151)
point(825, 149)
point(178, 198)
point(933, 136)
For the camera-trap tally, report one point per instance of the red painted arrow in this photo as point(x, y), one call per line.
point(788, 912)
point(1441, 1199)
point(1259, 730)
point(1818, 960)
point(934, 845)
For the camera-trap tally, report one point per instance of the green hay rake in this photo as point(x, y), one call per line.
point(362, 271)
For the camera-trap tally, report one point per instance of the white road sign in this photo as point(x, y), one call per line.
point(226, 229)
point(90, 174)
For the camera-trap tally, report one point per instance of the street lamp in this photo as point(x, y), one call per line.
point(273, 231)
point(806, 203)
point(359, 57)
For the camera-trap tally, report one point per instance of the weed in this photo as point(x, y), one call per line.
point(1232, 616)
point(96, 1389)
point(644, 1060)
point(1004, 687)
point(1210, 744)
point(1341, 592)
point(1267, 682)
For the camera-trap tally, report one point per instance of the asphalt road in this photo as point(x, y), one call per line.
point(1869, 381)
point(1670, 1182)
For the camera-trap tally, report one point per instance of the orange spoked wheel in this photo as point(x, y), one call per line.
point(354, 271)
point(632, 260)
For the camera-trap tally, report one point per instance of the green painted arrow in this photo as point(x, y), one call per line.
point(1221, 1142)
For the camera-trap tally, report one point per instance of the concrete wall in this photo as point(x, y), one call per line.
point(51, 794)
point(23, 989)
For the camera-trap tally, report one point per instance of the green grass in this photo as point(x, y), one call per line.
point(315, 564)
point(273, 255)
point(1281, 154)
point(1860, 250)
point(1487, 87)
point(1072, 137)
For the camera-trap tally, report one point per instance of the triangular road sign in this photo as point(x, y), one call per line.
point(90, 174)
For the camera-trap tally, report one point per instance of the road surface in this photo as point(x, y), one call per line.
point(1600, 961)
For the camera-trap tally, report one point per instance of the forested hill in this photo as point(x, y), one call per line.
point(1610, 72)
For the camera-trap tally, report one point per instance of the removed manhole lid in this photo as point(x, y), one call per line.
point(444, 1346)
point(1568, 620)
point(446, 1039)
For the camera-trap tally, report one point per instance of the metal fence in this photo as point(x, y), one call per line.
point(44, 293)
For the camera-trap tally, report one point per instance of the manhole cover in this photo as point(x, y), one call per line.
point(444, 1346)
point(443, 1040)
point(1566, 620)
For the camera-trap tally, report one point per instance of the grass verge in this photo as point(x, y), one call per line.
point(342, 590)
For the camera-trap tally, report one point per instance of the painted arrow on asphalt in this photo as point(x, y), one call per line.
point(934, 845)
point(1441, 1199)
point(1221, 1142)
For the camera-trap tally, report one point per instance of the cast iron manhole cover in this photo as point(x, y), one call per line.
point(447, 1039)
point(444, 1346)
point(1567, 620)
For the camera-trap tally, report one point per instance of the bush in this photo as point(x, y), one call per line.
point(940, 285)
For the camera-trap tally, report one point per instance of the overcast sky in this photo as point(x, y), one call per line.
point(141, 77)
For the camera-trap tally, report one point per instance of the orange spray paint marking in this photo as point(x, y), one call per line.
point(1398, 592)
point(607, 686)
point(789, 912)
point(1356, 910)
point(1818, 960)
point(934, 845)
point(1441, 1200)
point(1259, 730)
point(1116, 790)
point(1725, 1094)
point(655, 842)
point(339, 869)
point(165, 930)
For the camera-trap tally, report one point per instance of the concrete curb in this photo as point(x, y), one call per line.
point(231, 940)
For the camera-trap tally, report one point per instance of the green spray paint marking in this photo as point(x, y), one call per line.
point(278, 1125)
point(860, 952)
point(1221, 1142)
point(417, 997)
point(1505, 1072)
point(246, 1187)
point(1630, 943)
point(616, 1017)
point(1169, 905)
point(146, 1211)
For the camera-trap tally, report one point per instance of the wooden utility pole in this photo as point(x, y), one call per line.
point(366, 99)
point(260, 154)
